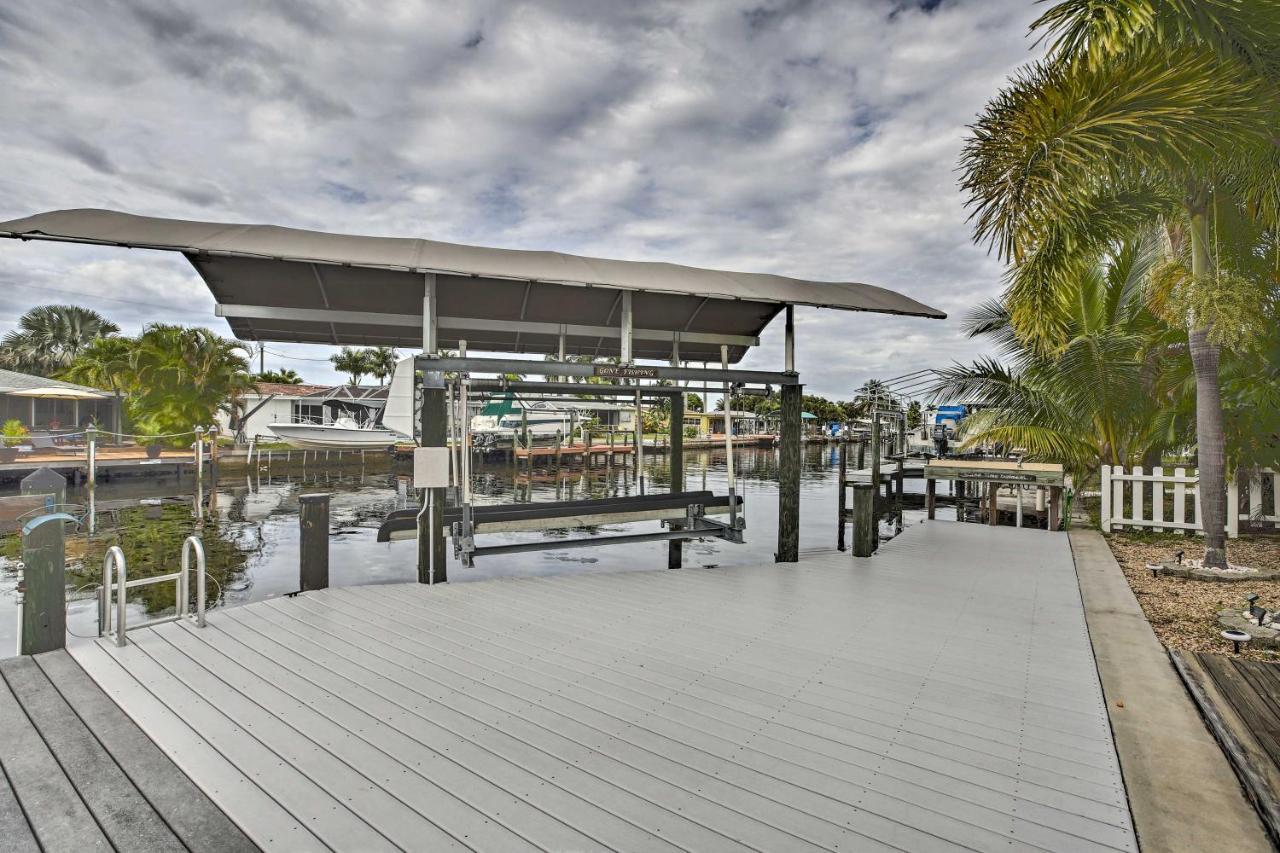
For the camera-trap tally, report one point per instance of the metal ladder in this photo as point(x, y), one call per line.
point(112, 594)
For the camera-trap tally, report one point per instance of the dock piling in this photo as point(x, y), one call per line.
point(44, 587)
point(864, 520)
point(313, 542)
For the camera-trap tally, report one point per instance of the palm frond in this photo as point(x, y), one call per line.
point(1059, 132)
point(1095, 30)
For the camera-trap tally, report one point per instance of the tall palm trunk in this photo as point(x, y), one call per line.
point(1211, 445)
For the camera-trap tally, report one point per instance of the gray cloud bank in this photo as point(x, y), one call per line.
point(816, 139)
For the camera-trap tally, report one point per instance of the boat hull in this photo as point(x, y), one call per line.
point(328, 437)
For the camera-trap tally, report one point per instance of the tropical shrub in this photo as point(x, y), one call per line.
point(14, 432)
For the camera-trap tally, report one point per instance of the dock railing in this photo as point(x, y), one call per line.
point(115, 586)
point(1157, 500)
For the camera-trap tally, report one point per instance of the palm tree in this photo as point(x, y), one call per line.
point(382, 362)
point(49, 337)
point(1103, 397)
point(182, 377)
point(106, 362)
point(353, 362)
point(284, 376)
point(1143, 112)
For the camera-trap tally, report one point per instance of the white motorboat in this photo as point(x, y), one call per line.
point(343, 433)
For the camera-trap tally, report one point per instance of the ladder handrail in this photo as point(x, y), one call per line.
point(113, 563)
point(114, 559)
point(189, 545)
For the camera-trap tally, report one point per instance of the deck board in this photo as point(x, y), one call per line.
point(940, 696)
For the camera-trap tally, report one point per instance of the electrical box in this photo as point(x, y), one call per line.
point(430, 467)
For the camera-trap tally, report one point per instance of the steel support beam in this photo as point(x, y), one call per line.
point(430, 319)
point(464, 324)
point(555, 368)
point(626, 331)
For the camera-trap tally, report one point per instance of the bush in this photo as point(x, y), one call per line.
point(14, 432)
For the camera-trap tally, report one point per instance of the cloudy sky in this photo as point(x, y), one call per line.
point(814, 139)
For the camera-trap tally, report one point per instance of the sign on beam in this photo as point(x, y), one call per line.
point(617, 371)
point(1039, 473)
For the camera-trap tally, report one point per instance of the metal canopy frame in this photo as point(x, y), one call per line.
point(447, 385)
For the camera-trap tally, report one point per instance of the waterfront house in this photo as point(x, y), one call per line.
point(277, 402)
point(41, 404)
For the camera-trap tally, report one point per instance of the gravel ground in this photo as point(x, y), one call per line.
point(1184, 612)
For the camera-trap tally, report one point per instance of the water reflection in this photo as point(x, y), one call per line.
point(249, 525)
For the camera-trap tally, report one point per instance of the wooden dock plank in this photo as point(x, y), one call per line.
point(338, 804)
point(58, 818)
point(734, 700)
point(504, 762)
point(398, 765)
point(1239, 701)
point(14, 828)
point(939, 696)
point(626, 797)
point(179, 803)
point(240, 795)
point(619, 721)
point(123, 814)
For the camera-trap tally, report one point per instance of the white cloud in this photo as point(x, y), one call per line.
point(815, 139)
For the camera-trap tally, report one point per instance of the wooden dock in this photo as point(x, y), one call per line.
point(111, 461)
point(80, 775)
point(1240, 701)
point(939, 696)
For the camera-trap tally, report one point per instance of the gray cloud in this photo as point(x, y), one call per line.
point(816, 139)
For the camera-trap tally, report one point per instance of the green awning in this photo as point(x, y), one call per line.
point(500, 405)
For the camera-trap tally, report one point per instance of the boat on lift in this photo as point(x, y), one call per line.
point(353, 427)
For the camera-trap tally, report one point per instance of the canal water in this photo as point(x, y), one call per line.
point(249, 527)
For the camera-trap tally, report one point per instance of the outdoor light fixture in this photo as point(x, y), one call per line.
point(1236, 638)
point(1254, 610)
point(1154, 568)
point(1178, 556)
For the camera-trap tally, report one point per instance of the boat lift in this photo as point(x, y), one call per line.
point(282, 284)
point(686, 515)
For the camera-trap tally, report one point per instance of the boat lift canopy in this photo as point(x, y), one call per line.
point(287, 284)
point(284, 284)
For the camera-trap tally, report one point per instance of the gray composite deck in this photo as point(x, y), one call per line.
point(940, 696)
point(76, 774)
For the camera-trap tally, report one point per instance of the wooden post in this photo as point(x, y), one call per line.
point(91, 453)
point(675, 547)
point(789, 475)
point(313, 549)
point(875, 477)
point(213, 453)
point(841, 501)
point(1055, 506)
point(44, 588)
point(862, 454)
point(864, 521)
point(993, 513)
point(431, 551)
point(930, 498)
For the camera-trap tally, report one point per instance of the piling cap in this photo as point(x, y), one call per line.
point(51, 516)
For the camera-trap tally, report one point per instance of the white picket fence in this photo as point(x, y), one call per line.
point(1175, 501)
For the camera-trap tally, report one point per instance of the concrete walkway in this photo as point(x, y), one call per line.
point(1183, 794)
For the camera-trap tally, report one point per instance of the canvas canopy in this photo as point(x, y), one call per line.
point(285, 284)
